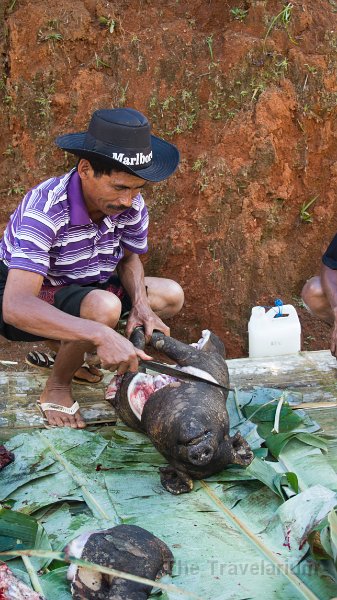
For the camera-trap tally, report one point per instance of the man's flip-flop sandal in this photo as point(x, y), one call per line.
point(45, 361)
point(43, 406)
point(41, 359)
point(84, 381)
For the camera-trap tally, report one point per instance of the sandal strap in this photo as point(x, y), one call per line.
point(40, 359)
point(62, 409)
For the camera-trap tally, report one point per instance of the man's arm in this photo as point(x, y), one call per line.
point(23, 309)
point(131, 273)
point(329, 286)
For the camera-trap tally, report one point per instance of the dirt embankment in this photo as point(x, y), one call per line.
point(247, 91)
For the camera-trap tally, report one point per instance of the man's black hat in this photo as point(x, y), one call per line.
point(122, 136)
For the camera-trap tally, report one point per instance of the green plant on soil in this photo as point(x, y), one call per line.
point(53, 36)
point(50, 33)
point(203, 182)
point(305, 215)
point(297, 301)
point(311, 69)
point(44, 105)
point(274, 217)
point(135, 49)
point(122, 97)
point(284, 18)
point(212, 249)
point(228, 96)
point(239, 14)
point(199, 164)
point(282, 65)
point(99, 62)
point(333, 4)
point(215, 276)
point(257, 89)
point(12, 6)
point(175, 114)
point(15, 189)
point(159, 202)
point(108, 22)
point(9, 151)
point(209, 42)
point(34, 98)
point(203, 179)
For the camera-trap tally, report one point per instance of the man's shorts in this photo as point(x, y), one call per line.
point(67, 298)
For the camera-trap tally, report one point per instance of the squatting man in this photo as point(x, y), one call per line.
point(320, 292)
point(69, 257)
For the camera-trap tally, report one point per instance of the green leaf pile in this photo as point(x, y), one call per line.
point(242, 533)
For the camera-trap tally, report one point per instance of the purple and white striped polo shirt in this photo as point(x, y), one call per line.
point(51, 233)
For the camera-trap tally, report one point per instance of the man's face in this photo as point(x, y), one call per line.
point(108, 194)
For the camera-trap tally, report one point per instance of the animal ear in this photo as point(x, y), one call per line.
point(167, 558)
point(87, 582)
point(174, 481)
point(241, 453)
point(211, 343)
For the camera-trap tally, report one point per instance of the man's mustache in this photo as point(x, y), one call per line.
point(119, 207)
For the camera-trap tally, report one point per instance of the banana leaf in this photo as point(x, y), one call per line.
point(309, 464)
point(294, 524)
point(272, 476)
point(331, 451)
point(276, 443)
point(225, 536)
point(324, 544)
point(55, 585)
point(62, 525)
point(70, 475)
point(19, 531)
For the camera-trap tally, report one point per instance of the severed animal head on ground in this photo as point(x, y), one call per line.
point(127, 548)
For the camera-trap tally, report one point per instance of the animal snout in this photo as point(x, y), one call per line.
point(200, 454)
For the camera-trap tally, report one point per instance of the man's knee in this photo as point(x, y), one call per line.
point(312, 291)
point(166, 296)
point(175, 296)
point(101, 306)
point(316, 301)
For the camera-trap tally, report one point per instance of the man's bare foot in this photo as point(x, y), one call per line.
point(60, 395)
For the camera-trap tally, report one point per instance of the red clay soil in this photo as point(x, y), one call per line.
point(245, 89)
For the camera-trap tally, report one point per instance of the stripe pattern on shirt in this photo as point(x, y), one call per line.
point(40, 237)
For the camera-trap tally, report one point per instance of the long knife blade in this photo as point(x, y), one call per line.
point(178, 373)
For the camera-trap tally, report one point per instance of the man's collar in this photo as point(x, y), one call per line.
point(78, 211)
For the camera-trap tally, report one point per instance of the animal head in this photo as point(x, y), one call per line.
point(186, 421)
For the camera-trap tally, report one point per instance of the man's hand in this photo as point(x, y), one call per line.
point(117, 353)
point(143, 315)
point(131, 274)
